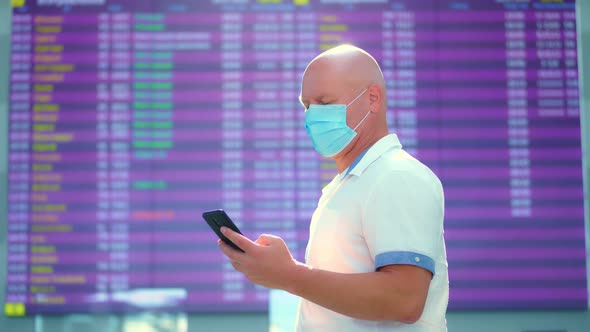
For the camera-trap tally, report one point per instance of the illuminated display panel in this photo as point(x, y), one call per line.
point(128, 119)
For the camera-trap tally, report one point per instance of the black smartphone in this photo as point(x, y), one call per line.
point(217, 219)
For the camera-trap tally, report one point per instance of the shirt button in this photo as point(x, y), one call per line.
point(417, 259)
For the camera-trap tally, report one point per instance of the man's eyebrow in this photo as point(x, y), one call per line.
point(321, 98)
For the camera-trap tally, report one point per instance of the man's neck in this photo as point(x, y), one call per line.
point(344, 161)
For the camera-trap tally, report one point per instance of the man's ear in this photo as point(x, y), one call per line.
point(375, 97)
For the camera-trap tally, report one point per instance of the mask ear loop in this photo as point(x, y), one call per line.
point(363, 120)
point(357, 97)
point(366, 115)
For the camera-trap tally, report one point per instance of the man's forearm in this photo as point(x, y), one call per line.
point(387, 295)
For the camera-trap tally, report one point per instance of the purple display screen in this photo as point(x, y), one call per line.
point(128, 119)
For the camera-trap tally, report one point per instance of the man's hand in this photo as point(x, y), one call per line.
point(266, 262)
point(394, 293)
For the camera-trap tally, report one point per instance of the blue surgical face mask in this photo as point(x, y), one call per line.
point(327, 128)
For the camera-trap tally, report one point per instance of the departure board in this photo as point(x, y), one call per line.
point(128, 119)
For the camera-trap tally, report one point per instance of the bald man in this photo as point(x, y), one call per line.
point(375, 259)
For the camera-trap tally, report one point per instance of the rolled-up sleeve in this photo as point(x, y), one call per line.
point(402, 220)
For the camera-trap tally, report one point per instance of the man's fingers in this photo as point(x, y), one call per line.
point(236, 266)
point(231, 253)
point(238, 239)
point(267, 239)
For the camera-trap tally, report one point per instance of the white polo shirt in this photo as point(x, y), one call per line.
point(387, 208)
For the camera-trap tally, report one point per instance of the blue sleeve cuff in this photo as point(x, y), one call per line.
point(406, 258)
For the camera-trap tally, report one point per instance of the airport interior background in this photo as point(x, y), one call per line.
point(121, 121)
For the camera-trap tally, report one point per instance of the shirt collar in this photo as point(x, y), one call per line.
point(371, 154)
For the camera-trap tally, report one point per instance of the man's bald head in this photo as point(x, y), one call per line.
point(348, 63)
point(340, 76)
